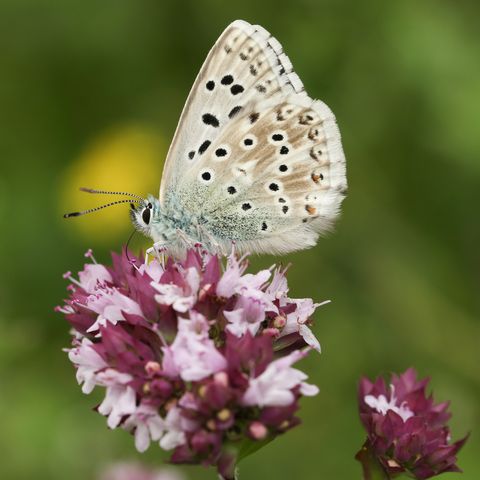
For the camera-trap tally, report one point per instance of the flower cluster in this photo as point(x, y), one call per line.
point(407, 431)
point(195, 355)
point(135, 471)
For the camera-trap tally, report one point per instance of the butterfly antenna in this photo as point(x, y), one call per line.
point(94, 190)
point(90, 210)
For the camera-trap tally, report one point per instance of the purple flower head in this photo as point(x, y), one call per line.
point(135, 471)
point(407, 432)
point(195, 355)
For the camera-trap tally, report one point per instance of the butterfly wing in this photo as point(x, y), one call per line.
point(244, 62)
point(254, 159)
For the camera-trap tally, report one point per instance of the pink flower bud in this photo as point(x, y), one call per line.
point(257, 430)
point(271, 332)
point(279, 321)
point(152, 367)
point(221, 378)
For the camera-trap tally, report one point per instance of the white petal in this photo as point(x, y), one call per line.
point(309, 337)
point(308, 389)
point(172, 439)
point(156, 425)
point(142, 437)
point(279, 398)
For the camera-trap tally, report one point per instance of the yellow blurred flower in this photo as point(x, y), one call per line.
point(128, 158)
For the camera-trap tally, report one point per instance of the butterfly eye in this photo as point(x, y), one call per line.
point(146, 215)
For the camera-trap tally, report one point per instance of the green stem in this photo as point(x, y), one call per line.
point(372, 469)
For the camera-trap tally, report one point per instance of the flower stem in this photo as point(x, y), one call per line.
point(372, 469)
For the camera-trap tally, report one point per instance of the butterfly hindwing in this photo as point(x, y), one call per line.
point(254, 159)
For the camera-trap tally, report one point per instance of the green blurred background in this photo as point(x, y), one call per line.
point(90, 93)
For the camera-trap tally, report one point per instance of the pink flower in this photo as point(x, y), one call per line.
point(146, 424)
point(110, 305)
point(297, 321)
point(134, 471)
point(274, 387)
point(249, 312)
point(119, 398)
point(175, 430)
point(180, 297)
point(88, 363)
point(92, 276)
point(193, 355)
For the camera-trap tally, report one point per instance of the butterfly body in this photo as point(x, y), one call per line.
point(254, 159)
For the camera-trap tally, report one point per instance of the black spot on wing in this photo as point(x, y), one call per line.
point(204, 146)
point(227, 80)
point(234, 111)
point(209, 119)
point(236, 89)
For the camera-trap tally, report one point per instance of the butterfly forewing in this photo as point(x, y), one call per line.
point(254, 159)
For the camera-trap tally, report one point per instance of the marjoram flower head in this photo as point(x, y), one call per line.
point(195, 355)
point(407, 432)
point(136, 471)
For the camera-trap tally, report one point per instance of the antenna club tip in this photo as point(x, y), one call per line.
point(73, 214)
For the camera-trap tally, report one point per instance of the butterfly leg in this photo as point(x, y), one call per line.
point(210, 240)
point(185, 238)
point(157, 250)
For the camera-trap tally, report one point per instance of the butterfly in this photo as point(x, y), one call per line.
point(254, 160)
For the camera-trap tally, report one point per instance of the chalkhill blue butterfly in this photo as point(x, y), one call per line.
point(254, 160)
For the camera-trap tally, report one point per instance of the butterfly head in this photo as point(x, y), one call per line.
point(144, 214)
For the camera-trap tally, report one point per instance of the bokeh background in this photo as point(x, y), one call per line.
point(90, 93)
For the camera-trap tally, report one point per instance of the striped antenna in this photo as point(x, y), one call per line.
point(94, 190)
point(90, 210)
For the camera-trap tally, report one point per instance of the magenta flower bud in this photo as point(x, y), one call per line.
point(161, 387)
